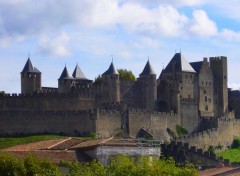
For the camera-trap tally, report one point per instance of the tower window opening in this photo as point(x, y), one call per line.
point(209, 100)
point(206, 108)
point(205, 98)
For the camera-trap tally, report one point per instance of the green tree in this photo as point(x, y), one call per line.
point(29, 166)
point(128, 166)
point(211, 149)
point(180, 130)
point(36, 166)
point(126, 75)
point(98, 79)
point(11, 166)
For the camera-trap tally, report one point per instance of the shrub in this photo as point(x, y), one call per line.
point(93, 135)
point(235, 144)
point(180, 130)
point(211, 149)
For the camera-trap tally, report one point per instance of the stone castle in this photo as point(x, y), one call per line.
point(194, 95)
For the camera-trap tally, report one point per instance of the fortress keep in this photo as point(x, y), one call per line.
point(194, 95)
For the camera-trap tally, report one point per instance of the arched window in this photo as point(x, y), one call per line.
point(206, 108)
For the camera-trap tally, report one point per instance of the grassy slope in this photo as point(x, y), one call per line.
point(6, 142)
point(232, 154)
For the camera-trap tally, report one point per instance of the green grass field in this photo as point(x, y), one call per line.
point(6, 142)
point(232, 154)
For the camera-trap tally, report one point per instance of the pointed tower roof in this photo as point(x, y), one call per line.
point(148, 70)
point(111, 71)
point(179, 64)
point(77, 73)
point(196, 65)
point(29, 67)
point(65, 74)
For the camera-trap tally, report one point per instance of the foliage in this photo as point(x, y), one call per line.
point(98, 80)
point(93, 135)
point(211, 149)
point(171, 133)
point(126, 75)
point(232, 154)
point(118, 166)
point(128, 166)
point(180, 130)
point(235, 144)
point(12, 141)
point(10, 166)
point(36, 166)
point(29, 166)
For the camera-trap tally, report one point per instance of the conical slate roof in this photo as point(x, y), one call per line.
point(179, 64)
point(29, 67)
point(148, 70)
point(65, 74)
point(196, 65)
point(77, 73)
point(111, 71)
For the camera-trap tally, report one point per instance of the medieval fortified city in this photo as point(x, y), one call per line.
point(193, 96)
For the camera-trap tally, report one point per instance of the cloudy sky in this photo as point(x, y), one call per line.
point(88, 32)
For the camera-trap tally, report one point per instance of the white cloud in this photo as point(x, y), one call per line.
point(56, 45)
point(234, 86)
point(201, 25)
point(229, 35)
point(28, 18)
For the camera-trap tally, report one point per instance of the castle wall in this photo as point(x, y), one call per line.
point(55, 101)
point(131, 93)
point(155, 122)
point(227, 129)
point(54, 122)
point(108, 123)
point(189, 115)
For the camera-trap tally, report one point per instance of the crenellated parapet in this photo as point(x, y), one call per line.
point(144, 111)
point(184, 153)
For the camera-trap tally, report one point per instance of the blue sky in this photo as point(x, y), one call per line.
point(88, 32)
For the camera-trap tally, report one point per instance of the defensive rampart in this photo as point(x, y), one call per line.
point(156, 121)
point(48, 101)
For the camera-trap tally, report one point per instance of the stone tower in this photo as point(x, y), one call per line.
point(111, 85)
point(219, 69)
point(205, 82)
point(148, 83)
point(65, 81)
point(79, 77)
point(177, 82)
point(30, 78)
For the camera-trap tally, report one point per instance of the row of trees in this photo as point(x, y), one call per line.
point(118, 166)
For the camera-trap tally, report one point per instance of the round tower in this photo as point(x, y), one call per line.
point(111, 85)
point(65, 81)
point(149, 86)
point(30, 79)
